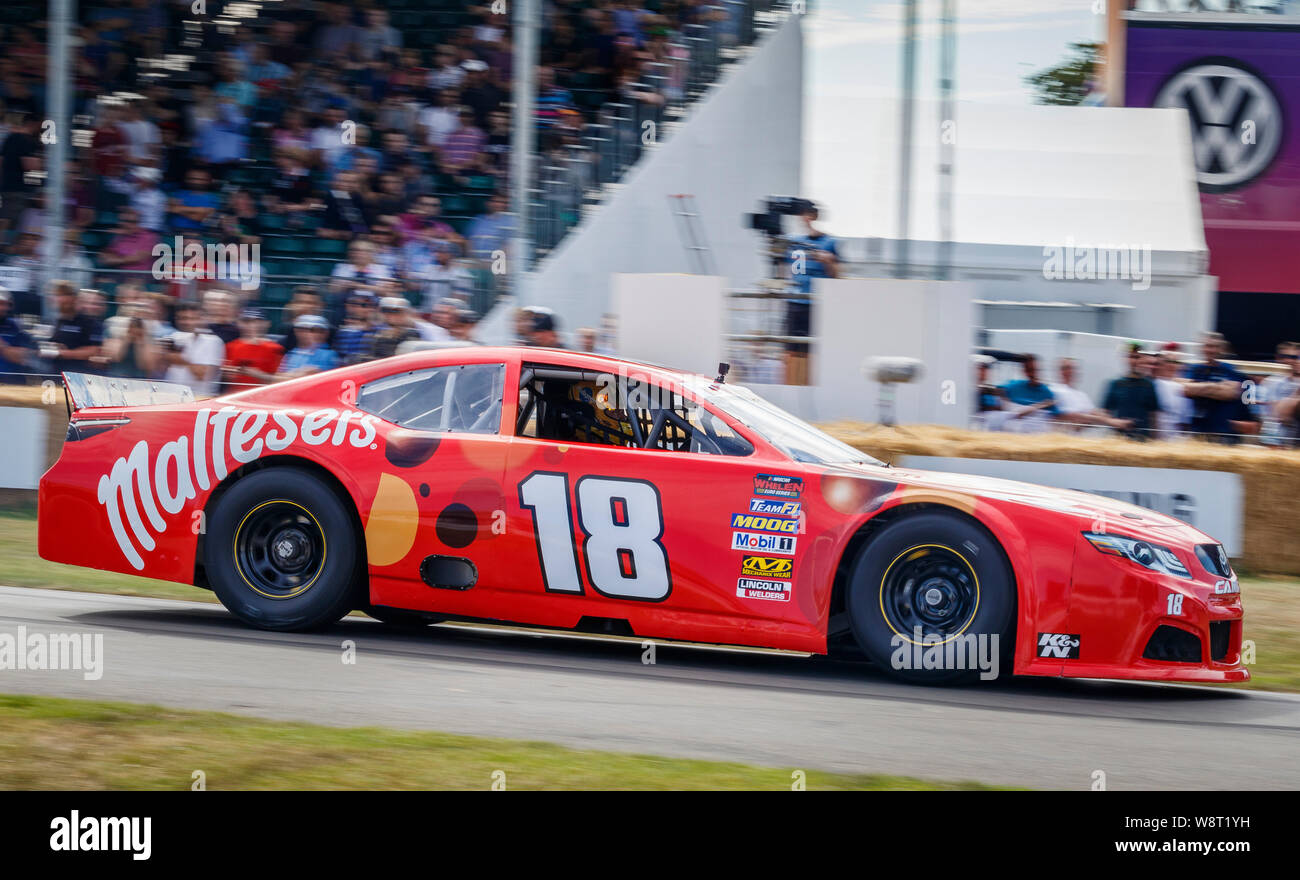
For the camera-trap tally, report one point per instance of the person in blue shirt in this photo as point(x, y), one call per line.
point(811, 254)
point(192, 208)
point(311, 355)
point(1030, 395)
point(352, 341)
point(16, 344)
point(491, 231)
point(1215, 391)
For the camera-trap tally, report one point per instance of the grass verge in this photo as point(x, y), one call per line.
point(48, 743)
point(21, 567)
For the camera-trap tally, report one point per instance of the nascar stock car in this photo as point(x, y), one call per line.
point(553, 489)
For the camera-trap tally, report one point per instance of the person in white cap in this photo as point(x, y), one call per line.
point(312, 354)
point(398, 327)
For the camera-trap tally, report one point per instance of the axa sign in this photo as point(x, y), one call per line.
point(1236, 121)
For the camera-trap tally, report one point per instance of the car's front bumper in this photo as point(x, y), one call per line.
point(1128, 626)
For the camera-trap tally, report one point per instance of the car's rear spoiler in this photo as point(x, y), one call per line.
point(85, 390)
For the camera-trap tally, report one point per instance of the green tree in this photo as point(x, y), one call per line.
point(1067, 82)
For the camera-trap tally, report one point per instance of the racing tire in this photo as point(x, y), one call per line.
point(944, 574)
point(281, 551)
point(401, 617)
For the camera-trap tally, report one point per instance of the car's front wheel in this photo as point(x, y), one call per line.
point(932, 599)
point(281, 551)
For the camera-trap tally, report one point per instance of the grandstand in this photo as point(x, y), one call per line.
point(606, 70)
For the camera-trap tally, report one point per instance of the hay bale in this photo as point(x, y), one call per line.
point(1270, 477)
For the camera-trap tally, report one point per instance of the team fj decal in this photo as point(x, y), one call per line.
point(774, 508)
point(754, 588)
point(767, 567)
point(168, 479)
point(762, 542)
point(1061, 646)
point(776, 524)
point(778, 486)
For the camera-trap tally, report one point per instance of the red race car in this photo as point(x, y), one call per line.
point(554, 489)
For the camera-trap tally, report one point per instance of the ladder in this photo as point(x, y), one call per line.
point(691, 233)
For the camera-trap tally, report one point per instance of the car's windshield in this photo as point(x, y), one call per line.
point(794, 437)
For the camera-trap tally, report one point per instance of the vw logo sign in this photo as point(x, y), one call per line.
point(1236, 122)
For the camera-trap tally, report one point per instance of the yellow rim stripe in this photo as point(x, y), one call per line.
point(324, 550)
point(917, 552)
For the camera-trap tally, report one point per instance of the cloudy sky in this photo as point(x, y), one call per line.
point(852, 79)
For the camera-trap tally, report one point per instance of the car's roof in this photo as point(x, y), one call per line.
point(484, 354)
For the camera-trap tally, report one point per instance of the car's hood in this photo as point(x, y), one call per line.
point(1096, 511)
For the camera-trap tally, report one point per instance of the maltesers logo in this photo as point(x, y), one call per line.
point(184, 462)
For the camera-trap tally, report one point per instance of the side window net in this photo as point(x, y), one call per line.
point(571, 406)
point(465, 398)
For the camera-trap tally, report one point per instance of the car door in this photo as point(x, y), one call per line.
point(438, 507)
point(636, 539)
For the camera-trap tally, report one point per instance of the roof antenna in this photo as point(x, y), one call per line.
point(723, 369)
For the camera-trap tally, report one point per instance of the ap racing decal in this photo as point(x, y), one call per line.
point(767, 567)
point(1061, 646)
point(777, 486)
point(753, 588)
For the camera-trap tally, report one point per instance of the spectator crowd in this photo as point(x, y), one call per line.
point(361, 146)
point(1162, 393)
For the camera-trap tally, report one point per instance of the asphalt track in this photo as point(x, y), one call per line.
point(756, 707)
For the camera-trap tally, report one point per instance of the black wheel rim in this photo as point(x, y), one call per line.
point(931, 589)
point(279, 549)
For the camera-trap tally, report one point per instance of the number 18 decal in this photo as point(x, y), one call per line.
point(622, 523)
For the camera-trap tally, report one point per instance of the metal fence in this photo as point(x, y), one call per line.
point(569, 181)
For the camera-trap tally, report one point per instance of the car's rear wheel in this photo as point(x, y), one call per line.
point(281, 551)
point(931, 597)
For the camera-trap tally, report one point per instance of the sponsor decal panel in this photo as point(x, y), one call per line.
point(778, 486)
point(776, 524)
point(767, 567)
point(754, 588)
point(761, 542)
point(773, 507)
point(163, 482)
point(1225, 587)
point(1062, 646)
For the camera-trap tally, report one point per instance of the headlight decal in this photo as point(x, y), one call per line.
point(1150, 556)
